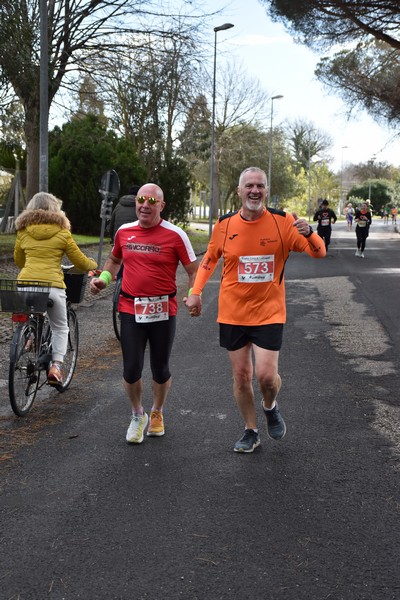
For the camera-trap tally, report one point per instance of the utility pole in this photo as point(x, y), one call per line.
point(44, 100)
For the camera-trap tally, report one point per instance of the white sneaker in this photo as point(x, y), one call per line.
point(362, 254)
point(357, 252)
point(135, 433)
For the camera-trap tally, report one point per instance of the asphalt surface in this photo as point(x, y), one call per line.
point(312, 517)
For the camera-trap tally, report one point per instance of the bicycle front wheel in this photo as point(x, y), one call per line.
point(71, 356)
point(115, 314)
point(23, 375)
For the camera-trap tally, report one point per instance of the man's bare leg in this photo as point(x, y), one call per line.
point(242, 370)
point(266, 369)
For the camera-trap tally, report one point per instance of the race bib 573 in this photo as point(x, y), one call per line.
point(256, 269)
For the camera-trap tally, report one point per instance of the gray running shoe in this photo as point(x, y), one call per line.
point(276, 426)
point(248, 442)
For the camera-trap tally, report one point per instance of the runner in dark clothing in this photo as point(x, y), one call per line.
point(363, 219)
point(325, 217)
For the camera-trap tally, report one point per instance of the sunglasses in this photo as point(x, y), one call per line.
point(150, 200)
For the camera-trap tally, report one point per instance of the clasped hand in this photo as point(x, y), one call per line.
point(193, 304)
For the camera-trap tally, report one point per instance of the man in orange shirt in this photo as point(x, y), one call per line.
point(254, 242)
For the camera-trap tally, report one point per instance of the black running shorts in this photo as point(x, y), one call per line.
point(234, 337)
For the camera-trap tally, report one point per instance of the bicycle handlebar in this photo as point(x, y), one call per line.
point(95, 272)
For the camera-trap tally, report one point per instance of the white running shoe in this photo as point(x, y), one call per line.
point(358, 252)
point(362, 254)
point(135, 433)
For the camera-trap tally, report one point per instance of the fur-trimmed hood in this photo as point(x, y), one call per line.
point(42, 217)
point(43, 238)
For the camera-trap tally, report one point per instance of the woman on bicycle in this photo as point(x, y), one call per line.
point(43, 237)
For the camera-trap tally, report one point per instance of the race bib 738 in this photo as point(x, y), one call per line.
point(150, 310)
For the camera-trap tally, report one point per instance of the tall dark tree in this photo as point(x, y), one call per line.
point(367, 75)
point(195, 136)
point(320, 24)
point(174, 179)
point(80, 152)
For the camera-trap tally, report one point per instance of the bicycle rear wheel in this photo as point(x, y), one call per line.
point(71, 356)
point(23, 375)
point(115, 314)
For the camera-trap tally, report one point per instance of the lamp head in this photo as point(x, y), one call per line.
point(224, 26)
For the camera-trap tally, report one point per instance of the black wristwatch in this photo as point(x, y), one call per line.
point(309, 233)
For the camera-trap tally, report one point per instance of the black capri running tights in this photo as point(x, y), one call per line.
point(362, 234)
point(134, 338)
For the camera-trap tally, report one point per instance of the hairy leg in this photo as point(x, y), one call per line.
point(266, 371)
point(242, 371)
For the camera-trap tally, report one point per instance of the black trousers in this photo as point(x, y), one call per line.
point(325, 234)
point(134, 338)
point(362, 234)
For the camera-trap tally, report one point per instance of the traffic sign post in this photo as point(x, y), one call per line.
point(109, 190)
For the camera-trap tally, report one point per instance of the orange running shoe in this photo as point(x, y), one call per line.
point(156, 427)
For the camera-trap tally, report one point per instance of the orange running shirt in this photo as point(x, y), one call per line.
point(252, 288)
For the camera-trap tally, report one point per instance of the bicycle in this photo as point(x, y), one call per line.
point(30, 350)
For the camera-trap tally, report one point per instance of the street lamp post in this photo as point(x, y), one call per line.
point(210, 216)
point(341, 182)
point(278, 97)
point(370, 164)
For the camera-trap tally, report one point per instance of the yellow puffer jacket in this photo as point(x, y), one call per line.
point(43, 237)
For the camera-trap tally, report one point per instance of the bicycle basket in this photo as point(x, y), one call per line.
point(75, 281)
point(24, 296)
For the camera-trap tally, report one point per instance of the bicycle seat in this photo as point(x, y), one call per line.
point(67, 268)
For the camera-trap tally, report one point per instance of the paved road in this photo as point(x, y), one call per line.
point(313, 517)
